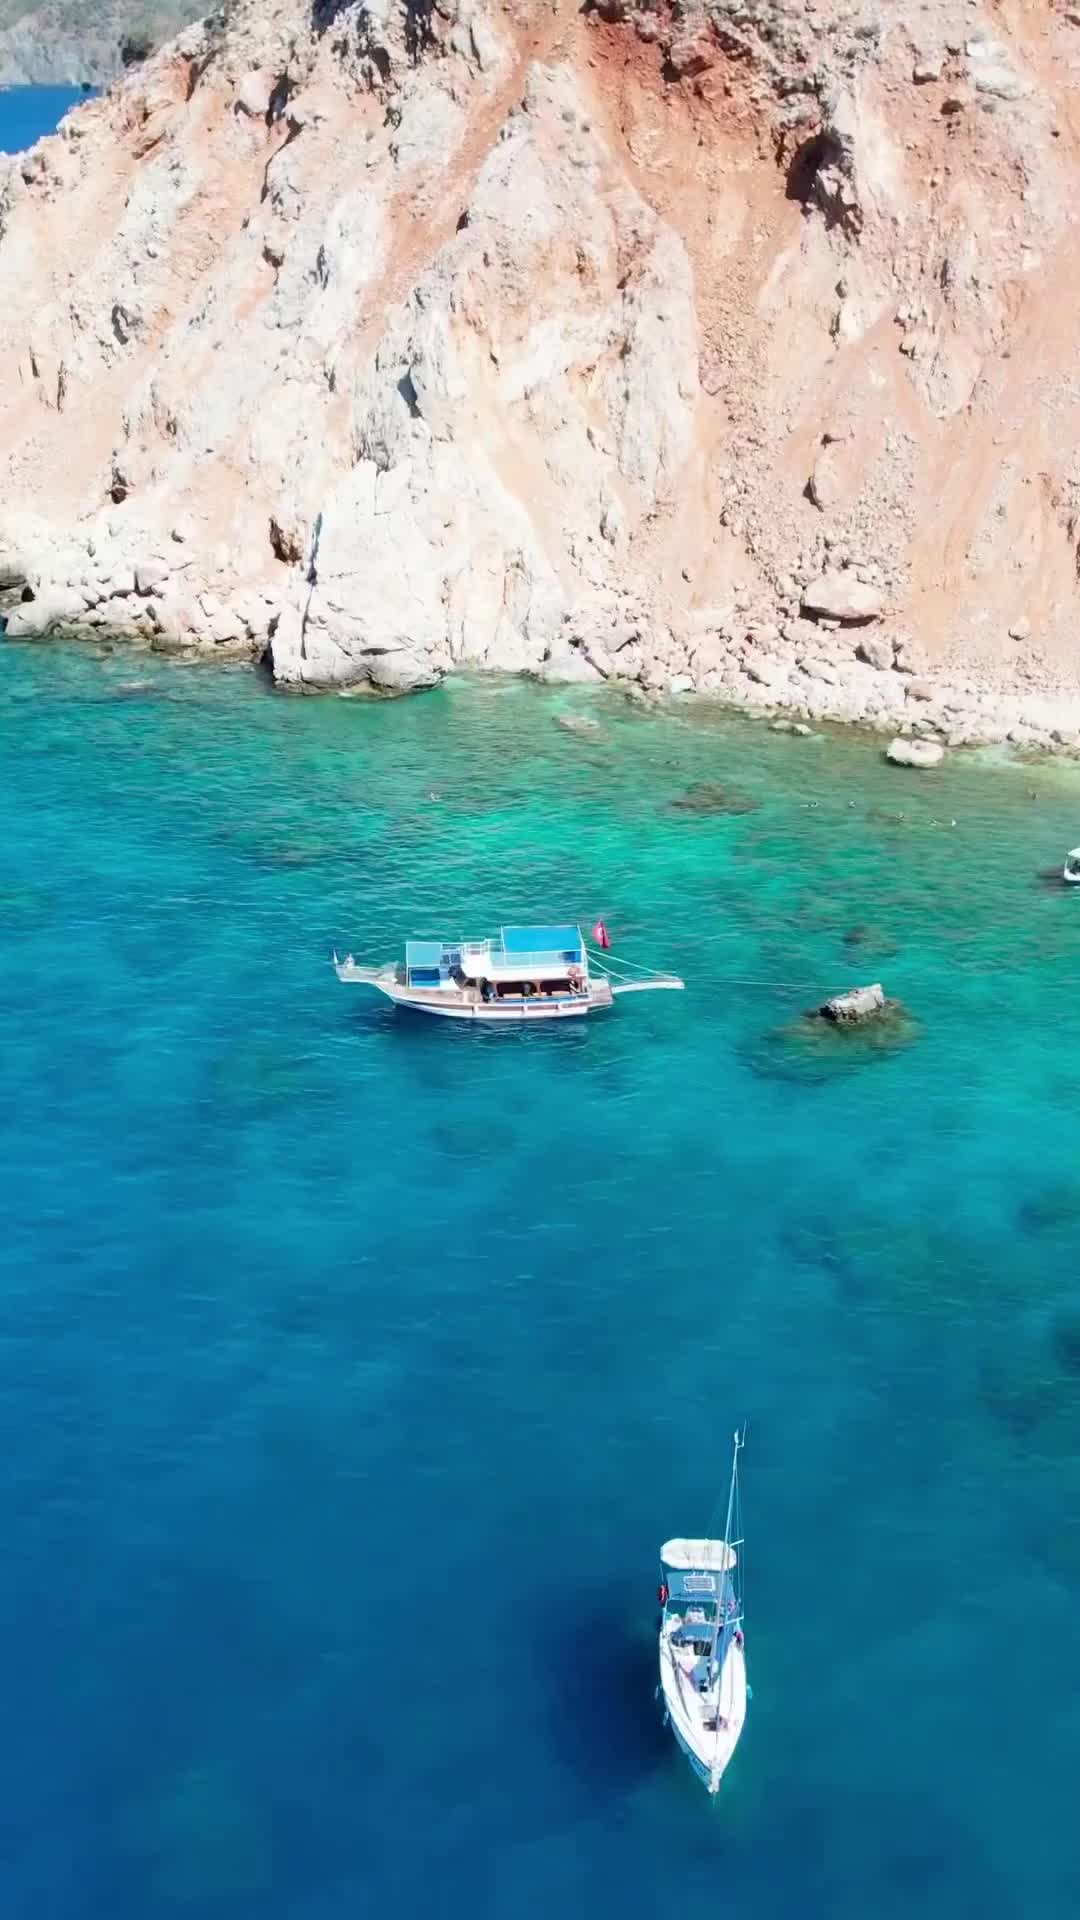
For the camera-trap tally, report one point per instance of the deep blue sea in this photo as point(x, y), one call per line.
point(352, 1367)
point(26, 113)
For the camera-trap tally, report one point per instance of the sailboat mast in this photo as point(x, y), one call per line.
point(739, 1439)
point(718, 1624)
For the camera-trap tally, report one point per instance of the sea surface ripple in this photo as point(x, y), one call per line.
point(352, 1367)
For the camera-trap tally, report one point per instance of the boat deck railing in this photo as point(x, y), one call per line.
point(488, 953)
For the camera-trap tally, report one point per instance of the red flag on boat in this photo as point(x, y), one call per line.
point(600, 935)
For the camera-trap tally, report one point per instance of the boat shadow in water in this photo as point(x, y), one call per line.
point(422, 1030)
point(605, 1719)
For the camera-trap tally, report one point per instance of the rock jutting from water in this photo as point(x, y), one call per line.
point(817, 1045)
point(915, 753)
point(855, 1005)
point(381, 343)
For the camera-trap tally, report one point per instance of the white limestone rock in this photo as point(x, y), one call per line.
point(51, 607)
point(843, 597)
point(150, 576)
point(915, 753)
point(253, 95)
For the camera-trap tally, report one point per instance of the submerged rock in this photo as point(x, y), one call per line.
point(707, 796)
point(1056, 1207)
point(871, 939)
point(1066, 1341)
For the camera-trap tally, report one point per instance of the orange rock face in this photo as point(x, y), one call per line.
point(576, 344)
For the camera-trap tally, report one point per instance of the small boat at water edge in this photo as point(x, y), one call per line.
point(528, 973)
point(1071, 870)
point(702, 1647)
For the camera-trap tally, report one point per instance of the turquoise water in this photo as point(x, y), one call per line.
point(26, 113)
point(352, 1368)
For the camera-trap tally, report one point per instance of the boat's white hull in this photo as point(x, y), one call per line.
point(709, 1750)
point(451, 1003)
point(458, 999)
point(496, 1015)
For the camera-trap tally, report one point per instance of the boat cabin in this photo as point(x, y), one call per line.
point(523, 963)
point(698, 1592)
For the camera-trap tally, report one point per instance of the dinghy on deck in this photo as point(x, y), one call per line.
point(528, 973)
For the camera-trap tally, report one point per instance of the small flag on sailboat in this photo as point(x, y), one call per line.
point(600, 935)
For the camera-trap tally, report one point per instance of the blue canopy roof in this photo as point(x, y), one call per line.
point(561, 940)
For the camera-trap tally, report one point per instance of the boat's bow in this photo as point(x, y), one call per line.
point(705, 1703)
point(383, 978)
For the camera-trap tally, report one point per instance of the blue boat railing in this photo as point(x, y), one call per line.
point(486, 953)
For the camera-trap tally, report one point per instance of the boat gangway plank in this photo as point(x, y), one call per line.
point(669, 981)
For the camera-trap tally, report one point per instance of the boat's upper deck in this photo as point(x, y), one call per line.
point(520, 953)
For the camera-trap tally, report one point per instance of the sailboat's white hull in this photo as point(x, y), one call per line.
point(708, 1731)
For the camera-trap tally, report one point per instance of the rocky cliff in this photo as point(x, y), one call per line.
point(727, 348)
point(71, 43)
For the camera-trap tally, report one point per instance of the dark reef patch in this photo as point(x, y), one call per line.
point(708, 797)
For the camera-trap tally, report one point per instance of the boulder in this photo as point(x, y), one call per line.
point(1000, 81)
point(910, 657)
point(253, 95)
point(877, 652)
point(843, 597)
point(150, 576)
point(692, 50)
point(855, 1005)
point(51, 608)
point(569, 664)
point(826, 485)
point(915, 753)
point(289, 535)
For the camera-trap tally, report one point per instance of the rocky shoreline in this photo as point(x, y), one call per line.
point(830, 677)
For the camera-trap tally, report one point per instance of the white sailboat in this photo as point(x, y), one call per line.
point(702, 1645)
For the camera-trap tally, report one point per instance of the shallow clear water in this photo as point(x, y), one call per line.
point(26, 113)
point(352, 1368)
